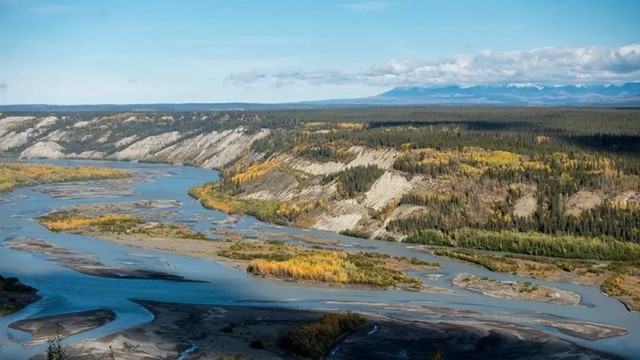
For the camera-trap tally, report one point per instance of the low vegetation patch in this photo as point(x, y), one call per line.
point(283, 261)
point(516, 290)
point(624, 283)
point(388, 238)
point(116, 224)
point(315, 339)
point(620, 279)
point(356, 233)
point(254, 171)
point(168, 231)
point(17, 174)
point(214, 196)
point(532, 266)
point(499, 264)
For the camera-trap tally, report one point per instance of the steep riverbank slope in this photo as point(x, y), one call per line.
point(310, 171)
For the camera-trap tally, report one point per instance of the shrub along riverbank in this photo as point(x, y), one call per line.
point(214, 196)
point(282, 261)
point(14, 174)
point(115, 224)
point(314, 340)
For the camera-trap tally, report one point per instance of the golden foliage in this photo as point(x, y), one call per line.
point(491, 158)
point(624, 205)
point(315, 124)
point(536, 165)
point(283, 261)
point(340, 125)
point(387, 210)
point(224, 206)
point(329, 267)
point(351, 125)
point(474, 161)
point(255, 171)
point(499, 216)
point(291, 209)
point(17, 174)
point(540, 139)
point(211, 197)
point(593, 164)
point(75, 221)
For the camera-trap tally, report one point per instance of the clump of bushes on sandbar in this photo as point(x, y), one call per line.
point(314, 340)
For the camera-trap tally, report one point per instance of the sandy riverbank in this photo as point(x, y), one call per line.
point(209, 332)
point(64, 325)
point(84, 263)
point(579, 329)
point(516, 290)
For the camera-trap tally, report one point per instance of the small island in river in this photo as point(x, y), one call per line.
point(271, 259)
point(516, 290)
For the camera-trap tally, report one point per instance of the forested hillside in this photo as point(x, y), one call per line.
point(552, 171)
point(544, 184)
point(385, 172)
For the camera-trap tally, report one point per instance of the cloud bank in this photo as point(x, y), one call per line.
point(549, 65)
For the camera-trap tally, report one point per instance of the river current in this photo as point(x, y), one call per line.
point(65, 290)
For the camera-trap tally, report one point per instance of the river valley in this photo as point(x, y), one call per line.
point(597, 322)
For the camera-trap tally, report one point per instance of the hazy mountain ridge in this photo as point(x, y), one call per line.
point(516, 94)
point(627, 94)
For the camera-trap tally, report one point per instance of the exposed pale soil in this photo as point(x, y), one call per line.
point(177, 327)
point(63, 325)
point(44, 149)
point(581, 201)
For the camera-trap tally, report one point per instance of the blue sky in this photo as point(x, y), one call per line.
point(141, 51)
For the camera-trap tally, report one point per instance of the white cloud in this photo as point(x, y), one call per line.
point(578, 65)
point(365, 5)
point(3, 87)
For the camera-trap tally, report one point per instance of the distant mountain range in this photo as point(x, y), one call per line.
point(519, 94)
point(625, 95)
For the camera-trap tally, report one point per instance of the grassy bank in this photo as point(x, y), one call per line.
point(213, 196)
point(17, 174)
point(624, 283)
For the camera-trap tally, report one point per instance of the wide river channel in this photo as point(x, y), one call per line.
point(65, 290)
